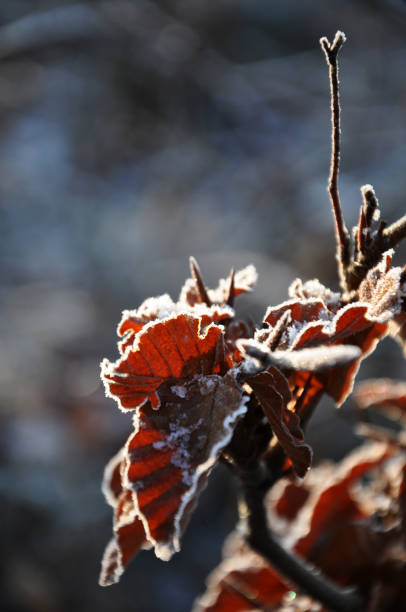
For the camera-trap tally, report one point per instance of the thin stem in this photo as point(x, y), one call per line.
point(342, 235)
point(260, 538)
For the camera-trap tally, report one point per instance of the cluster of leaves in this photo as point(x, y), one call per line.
point(204, 386)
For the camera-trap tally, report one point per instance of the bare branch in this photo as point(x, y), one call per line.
point(343, 238)
point(395, 233)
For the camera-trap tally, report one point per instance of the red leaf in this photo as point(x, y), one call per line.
point(129, 534)
point(172, 451)
point(162, 307)
point(316, 319)
point(301, 311)
point(352, 324)
point(133, 321)
point(163, 350)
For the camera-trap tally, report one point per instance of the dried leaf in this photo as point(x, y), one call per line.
point(381, 289)
point(129, 534)
point(162, 307)
point(316, 318)
point(168, 349)
point(272, 392)
point(172, 451)
point(317, 359)
point(242, 582)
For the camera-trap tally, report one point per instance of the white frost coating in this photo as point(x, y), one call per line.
point(108, 368)
point(179, 390)
point(179, 439)
point(207, 384)
point(376, 214)
point(108, 475)
point(313, 289)
point(293, 330)
point(159, 307)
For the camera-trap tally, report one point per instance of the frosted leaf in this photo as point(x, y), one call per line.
point(315, 359)
point(381, 289)
point(313, 289)
point(168, 349)
point(172, 451)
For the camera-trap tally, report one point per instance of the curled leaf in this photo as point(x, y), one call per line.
point(317, 359)
point(129, 534)
point(272, 392)
point(162, 307)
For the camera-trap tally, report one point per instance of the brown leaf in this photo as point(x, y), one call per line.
point(272, 392)
point(172, 451)
point(381, 289)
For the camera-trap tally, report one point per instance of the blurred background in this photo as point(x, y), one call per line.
point(134, 133)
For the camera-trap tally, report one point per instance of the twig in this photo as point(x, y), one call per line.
point(259, 537)
point(371, 245)
point(395, 233)
point(342, 235)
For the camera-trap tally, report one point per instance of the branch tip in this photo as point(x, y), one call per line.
point(331, 49)
point(342, 235)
